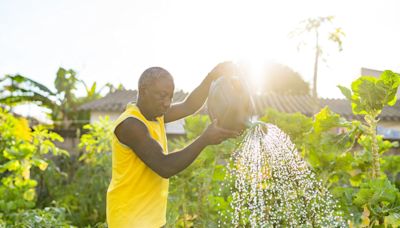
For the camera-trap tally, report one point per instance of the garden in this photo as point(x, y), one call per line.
point(45, 186)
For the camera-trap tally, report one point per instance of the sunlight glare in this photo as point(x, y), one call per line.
point(254, 73)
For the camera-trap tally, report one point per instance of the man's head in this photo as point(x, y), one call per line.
point(156, 88)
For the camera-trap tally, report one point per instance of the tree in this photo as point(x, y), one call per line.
point(314, 27)
point(63, 103)
point(17, 89)
point(283, 80)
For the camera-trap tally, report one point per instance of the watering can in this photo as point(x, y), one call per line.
point(229, 102)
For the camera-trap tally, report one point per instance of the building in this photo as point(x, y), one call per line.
point(113, 104)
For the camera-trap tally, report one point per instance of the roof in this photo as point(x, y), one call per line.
point(286, 103)
point(343, 107)
point(305, 104)
point(117, 101)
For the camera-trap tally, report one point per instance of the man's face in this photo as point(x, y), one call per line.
point(159, 96)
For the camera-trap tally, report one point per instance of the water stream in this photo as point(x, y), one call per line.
point(272, 185)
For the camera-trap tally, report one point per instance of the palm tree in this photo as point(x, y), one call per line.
point(314, 26)
point(63, 103)
point(19, 90)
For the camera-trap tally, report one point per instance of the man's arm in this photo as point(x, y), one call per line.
point(134, 134)
point(198, 96)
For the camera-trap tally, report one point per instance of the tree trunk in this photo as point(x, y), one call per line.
point(314, 92)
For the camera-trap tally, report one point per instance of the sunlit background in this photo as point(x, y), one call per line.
point(115, 41)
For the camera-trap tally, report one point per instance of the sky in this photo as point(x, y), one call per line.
point(115, 41)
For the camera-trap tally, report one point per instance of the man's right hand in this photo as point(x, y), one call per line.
point(214, 134)
point(223, 69)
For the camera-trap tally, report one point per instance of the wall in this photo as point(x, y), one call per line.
point(175, 128)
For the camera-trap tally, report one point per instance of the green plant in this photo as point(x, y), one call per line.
point(63, 103)
point(22, 151)
point(378, 197)
point(47, 217)
point(197, 195)
point(84, 193)
point(368, 96)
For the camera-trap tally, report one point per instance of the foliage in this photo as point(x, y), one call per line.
point(282, 79)
point(21, 89)
point(368, 96)
point(329, 145)
point(42, 186)
point(339, 152)
point(296, 125)
point(197, 194)
point(390, 165)
point(22, 151)
point(342, 152)
point(63, 103)
point(83, 191)
point(47, 217)
point(380, 198)
point(96, 141)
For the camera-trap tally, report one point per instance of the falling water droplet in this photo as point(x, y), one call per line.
point(272, 186)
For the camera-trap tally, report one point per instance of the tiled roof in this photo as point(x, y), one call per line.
point(284, 103)
point(306, 104)
point(117, 101)
point(287, 103)
point(343, 107)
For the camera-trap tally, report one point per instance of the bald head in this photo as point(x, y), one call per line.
point(151, 75)
point(156, 89)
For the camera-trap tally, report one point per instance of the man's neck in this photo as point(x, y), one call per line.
point(144, 111)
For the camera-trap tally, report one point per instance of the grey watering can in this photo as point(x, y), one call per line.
point(229, 102)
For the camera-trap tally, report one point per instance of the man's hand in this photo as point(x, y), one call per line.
point(199, 95)
point(214, 134)
point(223, 69)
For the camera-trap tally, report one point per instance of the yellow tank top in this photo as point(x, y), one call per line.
point(136, 196)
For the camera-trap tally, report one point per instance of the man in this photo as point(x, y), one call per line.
point(141, 164)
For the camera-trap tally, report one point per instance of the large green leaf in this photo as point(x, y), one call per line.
point(33, 83)
point(345, 91)
point(393, 220)
point(391, 82)
point(326, 120)
point(376, 191)
point(13, 100)
point(369, 94)
point(65, 81)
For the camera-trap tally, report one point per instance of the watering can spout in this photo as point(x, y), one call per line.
point(254, 123)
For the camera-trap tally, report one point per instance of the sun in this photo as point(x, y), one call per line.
point(253, 71)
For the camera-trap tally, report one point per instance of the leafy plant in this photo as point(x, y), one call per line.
point(23, 151)
point(197, 196)
point(84, 194)
point(63, 103)
point(47, 217)
point(20, 89)
point(368, 96)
